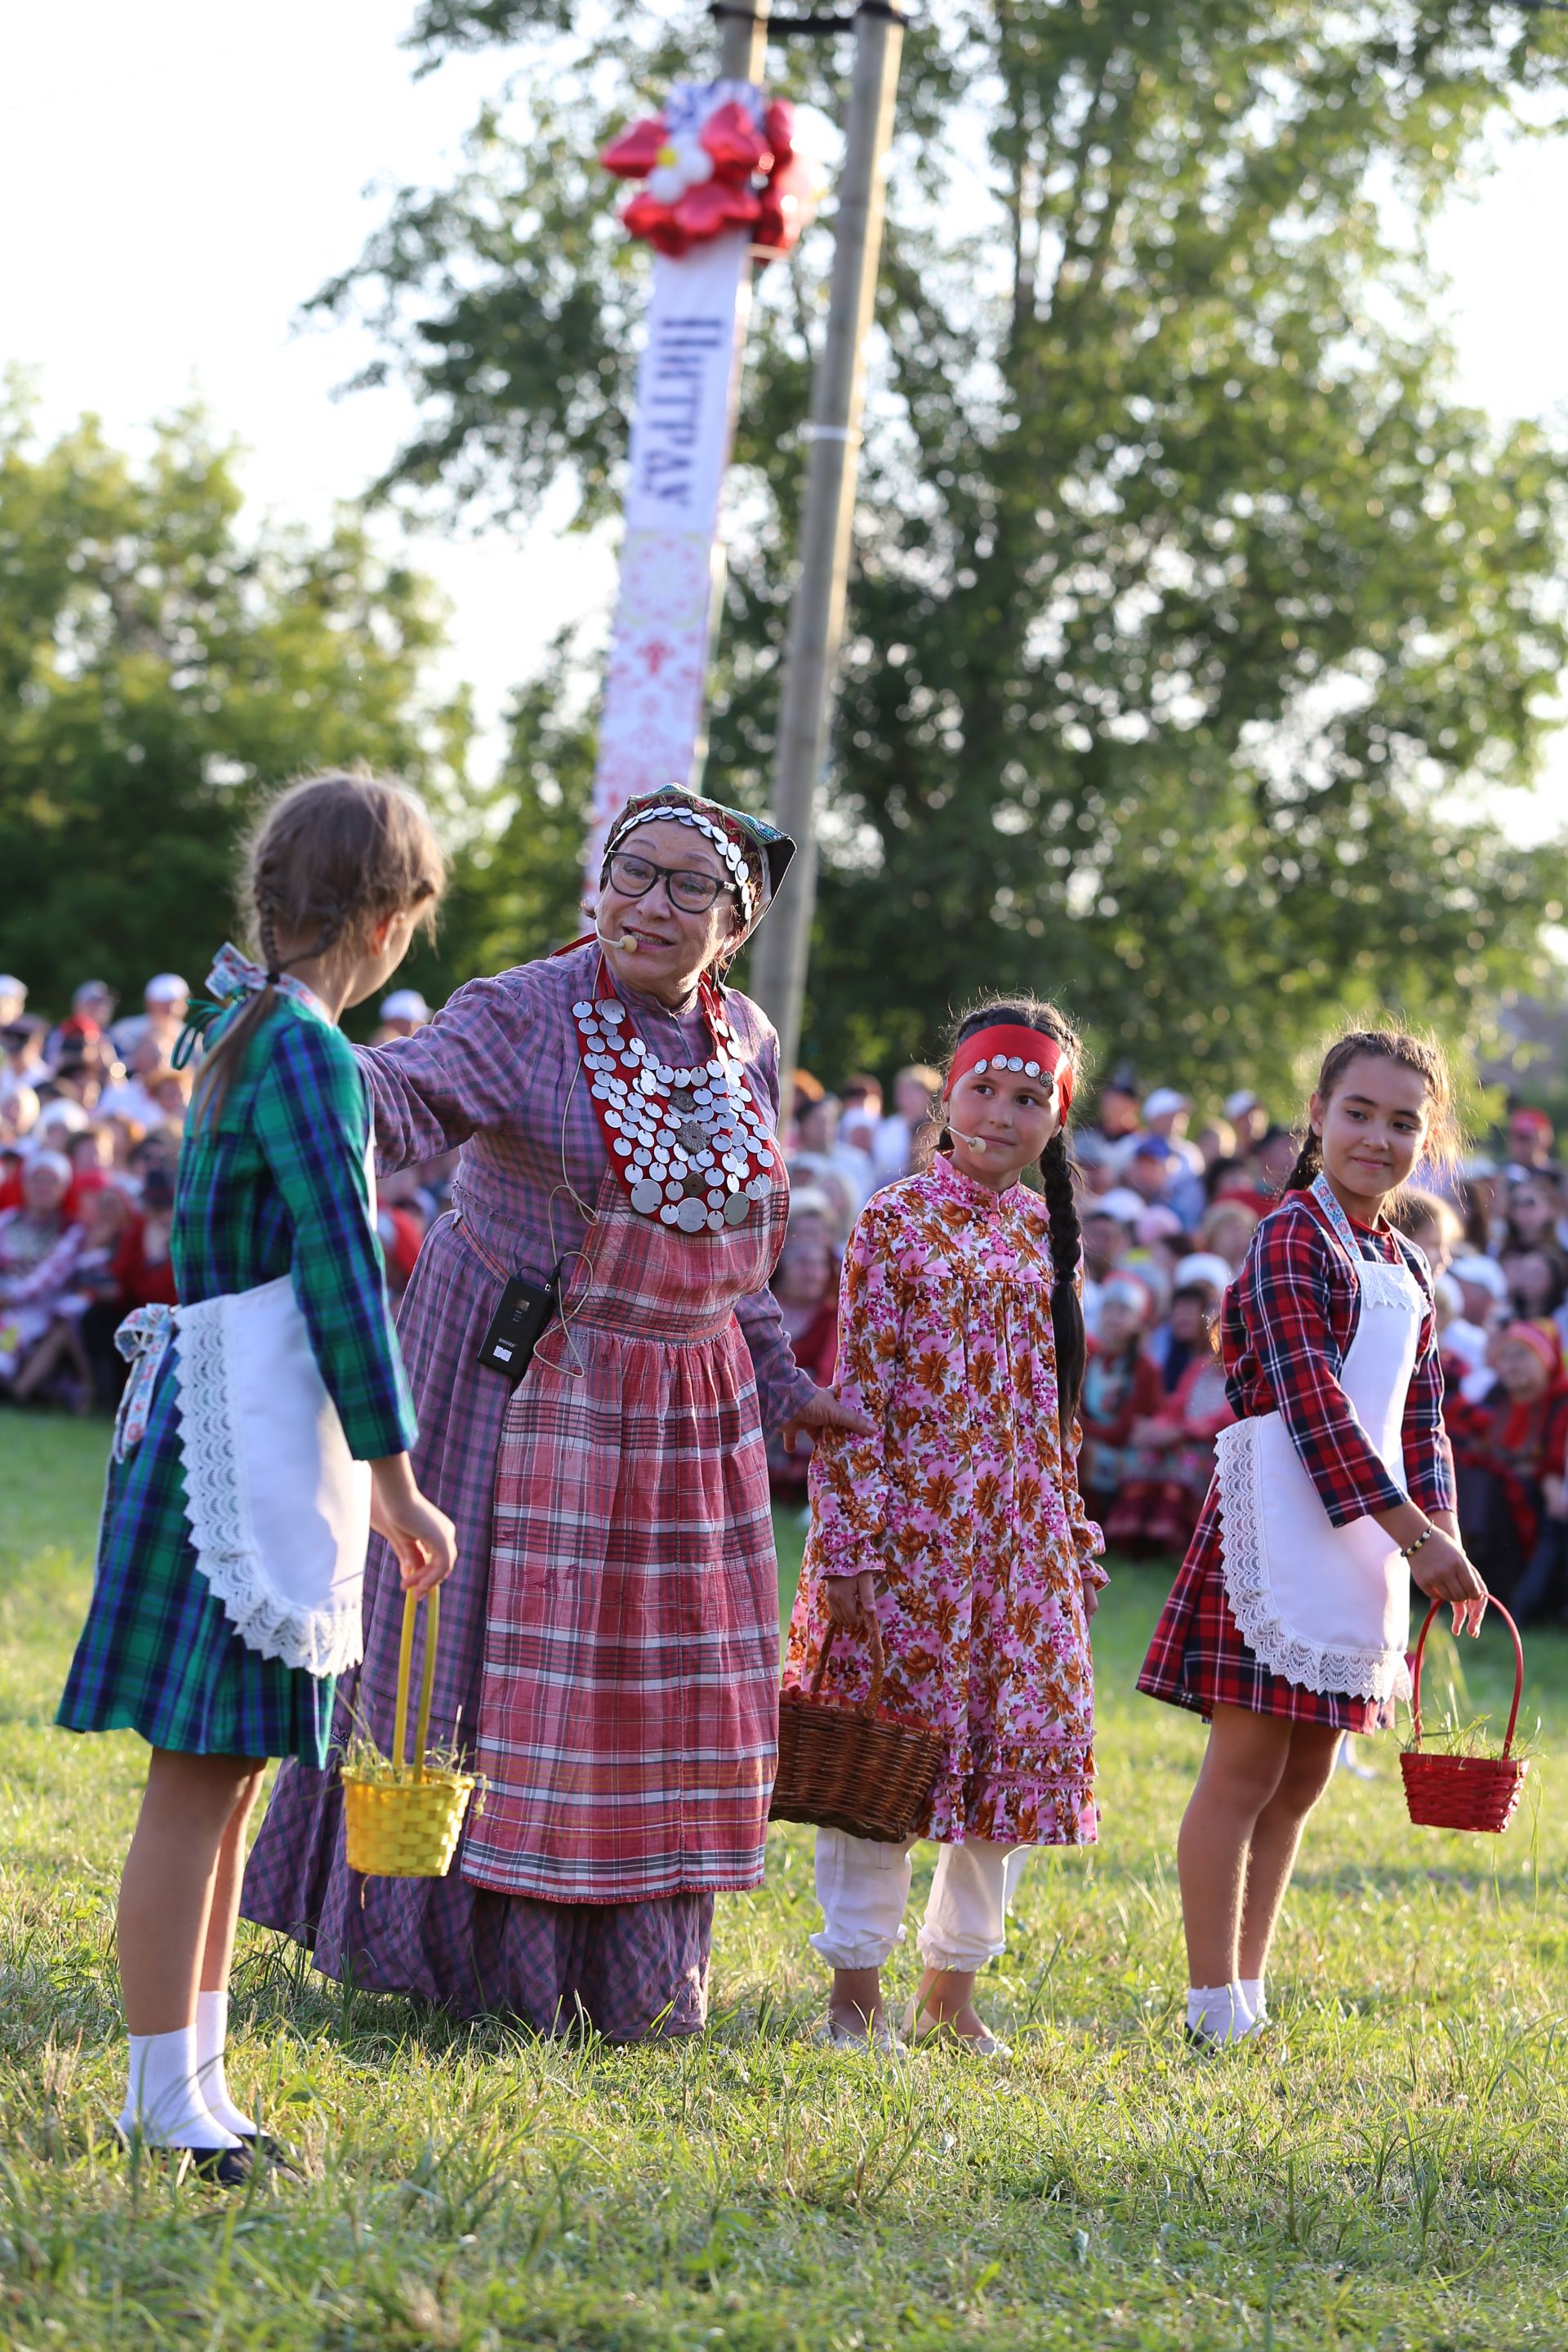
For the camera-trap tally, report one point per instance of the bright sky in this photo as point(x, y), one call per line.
point(180, 176)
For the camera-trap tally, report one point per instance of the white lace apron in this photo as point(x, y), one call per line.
point(1326, 1607)
point(277, 1507)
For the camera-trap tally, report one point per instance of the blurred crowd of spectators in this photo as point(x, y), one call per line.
point(92, 1111)
point(1168, 1210)
point(92, 1114)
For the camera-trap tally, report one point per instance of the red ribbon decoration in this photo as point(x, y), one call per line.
point(1006, 1041)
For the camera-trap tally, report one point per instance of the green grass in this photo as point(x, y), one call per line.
point(1391, 2169)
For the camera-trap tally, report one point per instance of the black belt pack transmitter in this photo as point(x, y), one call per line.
point(525, 1308)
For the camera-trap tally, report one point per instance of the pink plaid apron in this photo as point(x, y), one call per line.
point(629, 1710)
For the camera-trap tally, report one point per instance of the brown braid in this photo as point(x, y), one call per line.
point(1421, 1054)
point(1057, 1188)
point(330, 857)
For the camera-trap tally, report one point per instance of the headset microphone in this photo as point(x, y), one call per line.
point(627, 945)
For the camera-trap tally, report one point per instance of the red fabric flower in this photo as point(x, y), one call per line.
point(633, 155)
point(645, 216)
point(736, 146)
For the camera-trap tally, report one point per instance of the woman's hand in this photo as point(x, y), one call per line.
point(423, 1538)
point(1443, 1574)
point(1090, 1593)
point(850, 1598)
point(826, 1410)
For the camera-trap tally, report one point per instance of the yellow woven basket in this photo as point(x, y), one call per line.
point(402, 1820)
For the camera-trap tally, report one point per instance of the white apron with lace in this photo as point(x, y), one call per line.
point(277, 1507)
point(1328, 1608)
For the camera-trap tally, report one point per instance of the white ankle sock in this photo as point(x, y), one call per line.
point(1252, 1993)
point(212, 2035)
point(164, 2100)
point(1218, 2012)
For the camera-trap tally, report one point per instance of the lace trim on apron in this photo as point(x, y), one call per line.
point(277, 1508)
point(1357, 1670)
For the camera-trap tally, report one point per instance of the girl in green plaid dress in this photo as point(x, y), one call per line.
point(238, 1503)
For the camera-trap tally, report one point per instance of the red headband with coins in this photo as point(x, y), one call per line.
point(1026, 1052)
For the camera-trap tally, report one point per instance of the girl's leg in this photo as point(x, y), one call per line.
point(1242, 1768)
point(862, 1886)
point(212, 2000)
point(1271, 1857)
point(165, 1907)
point(965, 1926)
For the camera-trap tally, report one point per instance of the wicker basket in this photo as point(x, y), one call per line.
point(407, 1826)
point(1463, 1793)
point(851, 1767)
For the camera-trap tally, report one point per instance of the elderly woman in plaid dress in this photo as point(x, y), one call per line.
point(610, 1637)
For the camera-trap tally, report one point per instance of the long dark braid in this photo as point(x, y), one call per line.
point(1417, 1053)
point(1057, 1189)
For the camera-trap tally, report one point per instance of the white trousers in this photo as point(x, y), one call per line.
point(863, 1886)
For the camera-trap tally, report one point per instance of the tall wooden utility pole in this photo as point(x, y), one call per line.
point(817, 617)
point(744, 38)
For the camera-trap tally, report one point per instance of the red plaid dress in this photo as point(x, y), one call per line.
point(629, 1714)
point(1289, 1319)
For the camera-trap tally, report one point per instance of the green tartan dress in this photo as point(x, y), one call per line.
point(276, 1183)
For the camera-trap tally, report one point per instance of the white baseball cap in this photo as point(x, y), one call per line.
point(1162, 1102)
point(11, 986)
point(166, 988)
point(405, 1005)
point(1122, 1202)
point(62, 1115)
point(1243, 1099)
point(1203, 1265)
point(1483, 1274)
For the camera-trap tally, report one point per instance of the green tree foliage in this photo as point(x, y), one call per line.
point(158, 670)
point(1193, 614)
point(517, 885)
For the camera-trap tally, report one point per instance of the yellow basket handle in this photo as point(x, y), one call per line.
point(427, 1682)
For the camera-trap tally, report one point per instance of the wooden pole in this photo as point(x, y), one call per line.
point(744, 40)
point(817, 617)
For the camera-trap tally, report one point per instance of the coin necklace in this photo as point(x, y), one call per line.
point(690, 1143)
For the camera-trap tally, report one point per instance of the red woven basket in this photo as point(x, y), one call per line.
point(1463, 1793)
point(851, 1767)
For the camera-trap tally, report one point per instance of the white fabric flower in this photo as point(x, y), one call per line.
point(683, 163)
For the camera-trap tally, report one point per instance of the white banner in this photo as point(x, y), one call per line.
point(651, 727)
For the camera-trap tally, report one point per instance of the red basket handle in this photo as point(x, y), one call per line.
point(1492, 1602)
point(873, 1698)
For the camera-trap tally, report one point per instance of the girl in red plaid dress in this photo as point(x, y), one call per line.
point(1288, 1622)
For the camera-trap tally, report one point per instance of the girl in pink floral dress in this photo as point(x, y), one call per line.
point(958, 1522)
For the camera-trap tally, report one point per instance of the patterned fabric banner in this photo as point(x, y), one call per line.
point(651, 727)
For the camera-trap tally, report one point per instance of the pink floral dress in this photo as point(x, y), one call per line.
point(962, 1504)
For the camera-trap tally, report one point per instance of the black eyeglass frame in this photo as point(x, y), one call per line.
point(669, 875)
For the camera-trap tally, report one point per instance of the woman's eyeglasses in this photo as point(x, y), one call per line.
point(691, 891)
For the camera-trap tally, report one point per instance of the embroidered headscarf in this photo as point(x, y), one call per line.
point(755, 854)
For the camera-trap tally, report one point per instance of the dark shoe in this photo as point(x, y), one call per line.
point(221, 2167)
point(225, 2168)
point(262, 2148)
